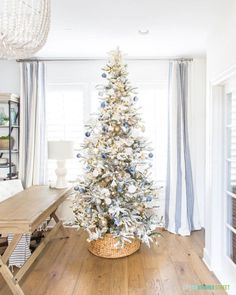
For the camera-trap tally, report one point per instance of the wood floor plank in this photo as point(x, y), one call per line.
point(187, 277)
point(39, 277)
point(136, 271)
point(169, 278)
point(119, 277)
point(66, 267)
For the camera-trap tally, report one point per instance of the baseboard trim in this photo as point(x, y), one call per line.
point(206, 259)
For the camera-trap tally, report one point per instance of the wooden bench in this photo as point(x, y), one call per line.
point(22, 214)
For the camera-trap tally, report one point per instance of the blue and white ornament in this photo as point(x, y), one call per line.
point(149, 198)
point(116, 222)
point(103, 104)
point(131, 170)
point(150, 155)
point(105, 129)
point(119, 189)
point(135, 98)
point(126, 125)
point(80, 189)
point(104, 156)
point(88, 210)
point(88, 168)
point(87, 134)
point(104, 75)
point(76, 188)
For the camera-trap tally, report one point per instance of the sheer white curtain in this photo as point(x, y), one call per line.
point(33, 140)
point(181, 208)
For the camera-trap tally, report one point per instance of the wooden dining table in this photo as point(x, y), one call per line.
point(22, 214)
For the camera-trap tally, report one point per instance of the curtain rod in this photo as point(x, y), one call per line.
point(102, 59)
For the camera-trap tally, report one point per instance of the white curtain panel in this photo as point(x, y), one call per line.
point(181, 209)
point(33, 140)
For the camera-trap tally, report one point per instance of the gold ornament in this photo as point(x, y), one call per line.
point(117, 128)
point(143, 157)
point(103, 183)
point(107, 179)
point(140, 209)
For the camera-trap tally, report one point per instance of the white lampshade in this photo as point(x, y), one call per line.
point(60, 150)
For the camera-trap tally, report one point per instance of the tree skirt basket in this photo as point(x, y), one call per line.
point(105, 247)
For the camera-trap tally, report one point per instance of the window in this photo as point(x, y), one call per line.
point(153, 102)
point(65, 121)
point(231, 175)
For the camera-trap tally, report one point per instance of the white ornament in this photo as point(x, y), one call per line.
point(129, 142)
point(132, 189)
point(96, 150)
point(129, 151)
point(95, 173)
point(108, 201)
point(113, 184)
point(116, 117)
point(105, 192)
point(132, 228)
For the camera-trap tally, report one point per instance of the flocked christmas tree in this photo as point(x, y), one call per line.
point(115, 194)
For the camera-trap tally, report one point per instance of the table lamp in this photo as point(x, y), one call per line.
point(60, 151)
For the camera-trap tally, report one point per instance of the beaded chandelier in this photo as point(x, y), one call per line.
point(24, 27)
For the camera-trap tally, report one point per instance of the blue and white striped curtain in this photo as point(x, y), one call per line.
point(33, 147)
point(181, 210)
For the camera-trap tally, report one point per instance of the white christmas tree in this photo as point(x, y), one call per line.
point(115, 194)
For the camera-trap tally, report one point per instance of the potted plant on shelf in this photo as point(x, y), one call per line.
point(4, 120)
point(4, 142)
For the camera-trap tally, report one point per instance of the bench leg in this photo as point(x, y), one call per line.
point(13, 281)
point(55, 217)
point(37, 252)
point(6, 273)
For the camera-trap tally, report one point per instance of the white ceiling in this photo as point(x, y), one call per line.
point(91, 28)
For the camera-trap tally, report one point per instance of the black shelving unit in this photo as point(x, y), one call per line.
point(11, 100)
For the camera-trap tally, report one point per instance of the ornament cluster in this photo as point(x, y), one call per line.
point(116, 193)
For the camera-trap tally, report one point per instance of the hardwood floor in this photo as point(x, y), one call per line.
point(67, 268)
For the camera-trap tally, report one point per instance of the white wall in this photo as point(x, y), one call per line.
point(9, 77)
point(221, 62)
point(221, 47)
